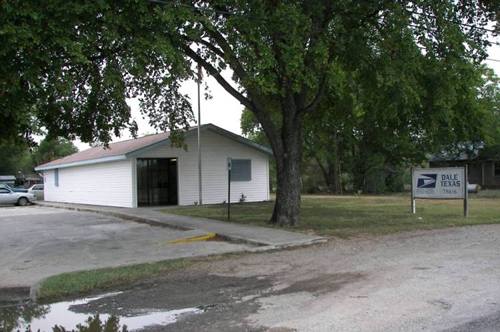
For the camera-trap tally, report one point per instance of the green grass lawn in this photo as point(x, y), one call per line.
point(343, 216)
point(347, 216)
point(85, 282)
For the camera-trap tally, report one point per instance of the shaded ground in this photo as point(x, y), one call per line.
point(36, 242)
point(488, 323)
point(355, 215)
point(434, 280)
point(441, 280)
point(260, 236)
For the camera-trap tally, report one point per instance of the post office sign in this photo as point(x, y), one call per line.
point(446, 182)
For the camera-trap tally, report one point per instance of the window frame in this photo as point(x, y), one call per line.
point(241, 178)
point(496, 166)
point(56, 177)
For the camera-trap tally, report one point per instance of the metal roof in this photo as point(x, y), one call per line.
point(122, 150)
point(462, 156)
point(481, 153)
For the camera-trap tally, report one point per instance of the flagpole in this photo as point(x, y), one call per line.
point(200, 198)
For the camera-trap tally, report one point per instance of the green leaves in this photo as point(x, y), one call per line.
point(52, 148)
point(72, 65)
point(69, 67)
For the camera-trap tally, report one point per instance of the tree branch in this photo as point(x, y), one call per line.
point(253, 102)
point(211, 47)
point(228, 51)
point(218, 77)
point(225, 50)
point(321, 92)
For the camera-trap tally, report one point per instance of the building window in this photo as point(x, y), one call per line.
point(241, 170)
point(497, 169)
point(56, 177)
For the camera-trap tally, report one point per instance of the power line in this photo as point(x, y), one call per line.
point(486, 59)
point(453, 21)
point(201, 9)
point(218, 11)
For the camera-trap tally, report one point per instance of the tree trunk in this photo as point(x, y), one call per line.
point(287, 207)
point(331, 174)
point(331, 169)
point(288, 163)
point(335, 181)
point(335, 168)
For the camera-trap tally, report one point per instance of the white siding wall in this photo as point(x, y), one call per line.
point(100, 184)
point(215, 151)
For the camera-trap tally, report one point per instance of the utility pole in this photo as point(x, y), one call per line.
point(229, 166)
point(200, 195)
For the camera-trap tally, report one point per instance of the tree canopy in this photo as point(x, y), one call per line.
point(18, 157)
point(52, 148)
point(15, 158)
point(69, 66)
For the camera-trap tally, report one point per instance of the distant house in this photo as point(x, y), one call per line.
point(32, 179)
point(148, 171)
point(8, 179)
point(484, 166)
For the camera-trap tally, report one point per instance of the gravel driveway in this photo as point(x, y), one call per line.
point(445, 280)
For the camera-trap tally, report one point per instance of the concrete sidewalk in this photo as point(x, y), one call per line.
point(267, 238)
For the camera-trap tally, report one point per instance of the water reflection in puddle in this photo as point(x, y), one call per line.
point(60, 314)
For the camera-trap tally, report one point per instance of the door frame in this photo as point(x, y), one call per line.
point(135, 187)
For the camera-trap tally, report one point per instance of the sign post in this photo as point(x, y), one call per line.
point(229, 164)
point(439, 183)
point(413, 207)
point(466, 191)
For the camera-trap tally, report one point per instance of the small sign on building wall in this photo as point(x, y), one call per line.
point(439, 183)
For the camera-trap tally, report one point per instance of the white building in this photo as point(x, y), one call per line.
point(149, 171)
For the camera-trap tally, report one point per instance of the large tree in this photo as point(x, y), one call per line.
point(70, 65)
point(15, 158)
point(51, 148)
point(378, 119)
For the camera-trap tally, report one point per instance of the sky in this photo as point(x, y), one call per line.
point(224, 110)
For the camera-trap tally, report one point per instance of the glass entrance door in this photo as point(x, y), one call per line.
point(156, 181)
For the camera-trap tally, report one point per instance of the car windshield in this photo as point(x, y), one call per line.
point(6, 186)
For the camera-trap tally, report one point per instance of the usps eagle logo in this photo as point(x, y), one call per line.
point(427, 181)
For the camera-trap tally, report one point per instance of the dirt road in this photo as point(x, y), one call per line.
point(431, 281)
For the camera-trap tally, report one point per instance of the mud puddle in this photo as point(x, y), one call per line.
point(45, 317)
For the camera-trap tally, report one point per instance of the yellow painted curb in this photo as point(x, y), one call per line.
point(203, 237)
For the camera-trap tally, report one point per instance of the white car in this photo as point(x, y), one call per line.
point(37, 190)
point(7, 196)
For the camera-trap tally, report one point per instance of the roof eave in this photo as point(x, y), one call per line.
point(239, 138)
point(81, 163)
point(138, 151)
point(207, 126)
